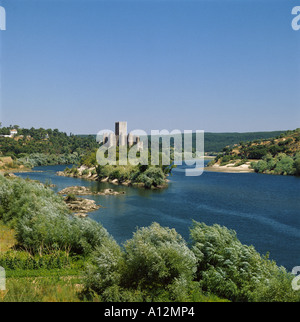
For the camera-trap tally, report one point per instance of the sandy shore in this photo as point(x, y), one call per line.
point(230, 168)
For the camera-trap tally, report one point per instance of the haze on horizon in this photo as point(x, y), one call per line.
point(218, 66)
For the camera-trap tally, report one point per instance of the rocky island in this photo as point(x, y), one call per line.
point(83, 191)
point(150, 177)
point(81, 206)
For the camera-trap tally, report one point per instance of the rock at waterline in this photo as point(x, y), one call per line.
point(81, 190)
point(80, 206)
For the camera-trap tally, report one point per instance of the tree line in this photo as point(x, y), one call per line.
point(44, 146)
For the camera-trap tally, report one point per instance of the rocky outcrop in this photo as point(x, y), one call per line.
point(76, 190)
point(82, 191)
point(61, 174)
point(81, 206)
point(111, 192)
point(9, 175)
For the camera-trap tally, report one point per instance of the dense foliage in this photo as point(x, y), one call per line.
point(149, 176)
point(280, 164)
point(280, 155)
point(235, 271)
point(42, 159)
point(146, 175)
point(157, 264)
point(44, 146)
point(42, 220)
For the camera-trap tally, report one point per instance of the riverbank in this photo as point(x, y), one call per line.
point(230, 168)
point(233, 166)
point(8, 165)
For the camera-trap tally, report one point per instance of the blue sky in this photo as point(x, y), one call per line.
point(218, 66)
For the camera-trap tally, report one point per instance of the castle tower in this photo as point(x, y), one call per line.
point(121, 133)
point(130, 140)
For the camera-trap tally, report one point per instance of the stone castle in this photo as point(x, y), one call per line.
point(121, 138)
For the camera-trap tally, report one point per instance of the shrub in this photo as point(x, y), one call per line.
point(281, 164)
point(44, 232)
point(235, 271)
point(106, 267)
point(85, 172)
point(155, 264)
point(42, 220)
point(297, 166)
point(21, 197)
point(153, 176)
point(285, 165)
point(115, 174)
point(74, 171)
point(70, 197)
point(260, 166)
point(145, 180)
point(157, 256)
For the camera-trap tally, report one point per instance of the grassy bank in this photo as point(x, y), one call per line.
point(33, 278)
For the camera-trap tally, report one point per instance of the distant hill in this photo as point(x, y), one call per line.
point(215, 142)
point(56, 142)
point(277, 155)
point(287, 142)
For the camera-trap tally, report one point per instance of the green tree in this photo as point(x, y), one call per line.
point(297, 166)
point(156, 256)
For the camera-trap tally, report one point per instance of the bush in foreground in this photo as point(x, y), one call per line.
point(235, 271)
point(42, 220)
point(157, 265)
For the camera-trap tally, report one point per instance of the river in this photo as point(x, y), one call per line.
point(264, 210)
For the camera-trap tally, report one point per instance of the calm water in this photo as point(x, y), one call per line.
point(264, 210)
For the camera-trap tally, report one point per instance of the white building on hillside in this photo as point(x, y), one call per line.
point(13, 132)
